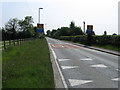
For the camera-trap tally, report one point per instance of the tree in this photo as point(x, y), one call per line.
point(64, 31)
point(105, 33)
point(12, 27)
point(78, 31)
point(26, 26)
point(48, 33)
point(53, 33)
point(72, 27)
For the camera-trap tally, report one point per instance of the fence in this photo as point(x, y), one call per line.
point(5, 44)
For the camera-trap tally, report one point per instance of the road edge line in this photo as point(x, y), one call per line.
point(62, 77)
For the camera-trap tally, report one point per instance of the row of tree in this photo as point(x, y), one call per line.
point(72, 30)
point(17, 29)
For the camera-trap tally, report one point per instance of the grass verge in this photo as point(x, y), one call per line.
point(109, 47)
point(27, 66)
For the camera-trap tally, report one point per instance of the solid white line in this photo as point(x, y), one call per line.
point(62, 77)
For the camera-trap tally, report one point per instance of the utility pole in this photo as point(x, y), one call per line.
point(39, 15)
point(84, 26)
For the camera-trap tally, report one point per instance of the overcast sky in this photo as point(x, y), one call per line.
point(102, 14)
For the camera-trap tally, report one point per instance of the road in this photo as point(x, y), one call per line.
point(84, 68)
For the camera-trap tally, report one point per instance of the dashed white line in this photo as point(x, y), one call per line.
point(69, 67)
point(86, 59)
point(118, 70)
point(116, 79)
point(63, 59)
point(99, 66)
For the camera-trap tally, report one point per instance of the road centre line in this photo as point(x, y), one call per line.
point(62, 77)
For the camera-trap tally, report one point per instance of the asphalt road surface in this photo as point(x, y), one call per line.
point(85, 68)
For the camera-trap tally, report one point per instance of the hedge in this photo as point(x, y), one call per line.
point(96, 39)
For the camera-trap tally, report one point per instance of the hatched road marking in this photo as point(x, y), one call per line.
point(62, 46)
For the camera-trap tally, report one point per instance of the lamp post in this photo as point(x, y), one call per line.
point(39, 15)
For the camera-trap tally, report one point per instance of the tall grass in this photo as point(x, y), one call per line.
point(27, 66)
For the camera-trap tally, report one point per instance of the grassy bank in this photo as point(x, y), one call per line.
point(27, 66)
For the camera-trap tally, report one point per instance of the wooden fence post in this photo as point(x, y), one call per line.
point(14, 42)
point(4, 44)
point(18, 41)
point(9, 42)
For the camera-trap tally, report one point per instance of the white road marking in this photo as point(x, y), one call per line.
point(53, 45)
point(69, 67)
point(63, 59)
point(117, 69)
point(116, 79)
point(62, 46)
point(62, 77)
point(86, 59)
point(75, 82)
point(99, 66)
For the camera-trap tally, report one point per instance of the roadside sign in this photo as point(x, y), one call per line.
point(40, 25)
point(40, 30)
point(89, 27)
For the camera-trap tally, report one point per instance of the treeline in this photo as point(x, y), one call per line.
point(72, 30)
point(18, 29)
